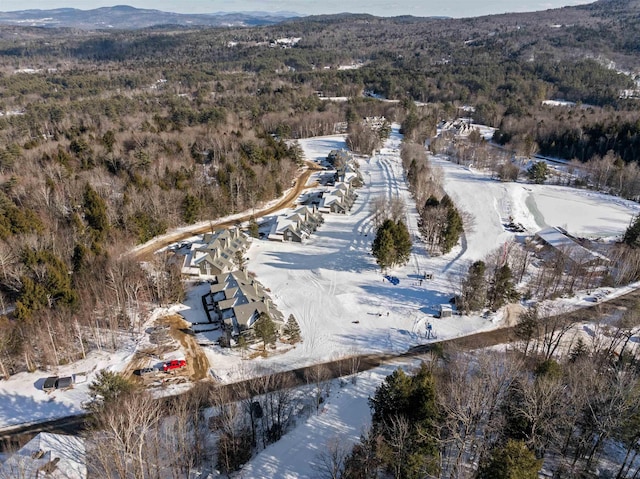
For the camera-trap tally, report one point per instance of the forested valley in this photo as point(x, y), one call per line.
point(111, 138)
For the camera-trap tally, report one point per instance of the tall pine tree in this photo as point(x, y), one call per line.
point(502, 288)
point(392, 244)
point(632, 234)
point(405, 407)
point(292, 329)
point(474, 290)
point(265, 329)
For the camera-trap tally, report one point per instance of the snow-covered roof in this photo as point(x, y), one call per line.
point(244, 299)
point(63, 456)
point(568, 247)
point(217, 249)
point(296, 222)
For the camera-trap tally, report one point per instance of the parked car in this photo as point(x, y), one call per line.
point(147, 371)
point(174, 364)
point(50, 384)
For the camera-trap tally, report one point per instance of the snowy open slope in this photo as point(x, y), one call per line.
point(334, 288)
point(488, 203)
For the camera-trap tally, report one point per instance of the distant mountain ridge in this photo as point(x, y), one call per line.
point(131, 18)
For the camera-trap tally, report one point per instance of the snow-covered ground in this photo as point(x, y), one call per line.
point(341, 421)
point(333, 287)
point(24, 401)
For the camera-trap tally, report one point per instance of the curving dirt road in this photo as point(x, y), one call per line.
point(300, 184)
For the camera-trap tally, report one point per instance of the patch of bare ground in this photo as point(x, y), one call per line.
point(139, 360)
point(197, 362)
point(512, 313)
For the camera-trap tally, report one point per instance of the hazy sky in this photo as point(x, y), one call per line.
point(451, 8)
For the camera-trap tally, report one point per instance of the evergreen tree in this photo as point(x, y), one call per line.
point(95, 212)
point(265, 329)
point(538, 172)
point(502, 288)
point(474, 290)
point(453, 227)
point(391, 398)
point(579, 351)
point(512, 461)
point(405, 407)
point(191, 206)
point(238, 259)
point(548, 368)
point(254, 230)
point(79, 257)
point(402, 243)
point(292, 329)
point(432, 202)
point(109, 386)
point(516, 425)
point(392, 244)
point(383, 248)
point(632, 234)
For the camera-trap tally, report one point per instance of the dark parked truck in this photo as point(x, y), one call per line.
point(54, 382)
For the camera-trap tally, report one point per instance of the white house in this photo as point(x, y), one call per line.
point(216, 253)
point(296, 225)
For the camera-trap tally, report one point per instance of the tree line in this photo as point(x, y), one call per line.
point(504, 415)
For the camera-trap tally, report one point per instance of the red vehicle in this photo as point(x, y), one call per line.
point(174, 364)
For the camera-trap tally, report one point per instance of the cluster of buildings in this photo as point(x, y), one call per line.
point(338, 197)
point(296, 225)
point(236, 300)
point(461, 127)
point(217, 253)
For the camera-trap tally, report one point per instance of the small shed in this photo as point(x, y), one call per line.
point(446, 311)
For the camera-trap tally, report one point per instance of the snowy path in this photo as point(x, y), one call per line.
point(343, 418)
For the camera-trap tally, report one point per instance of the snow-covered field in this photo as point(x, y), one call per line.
point(333, 287)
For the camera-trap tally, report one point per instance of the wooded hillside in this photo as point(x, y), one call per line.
point(108, 139)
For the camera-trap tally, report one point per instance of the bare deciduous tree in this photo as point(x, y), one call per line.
point(121, 444)
point(330, 462)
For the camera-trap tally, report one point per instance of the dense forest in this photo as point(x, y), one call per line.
point(111, 138)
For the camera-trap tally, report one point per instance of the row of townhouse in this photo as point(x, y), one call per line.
point(296, 225)
point(238, 300)
point(339, 199)
point(216, 254)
